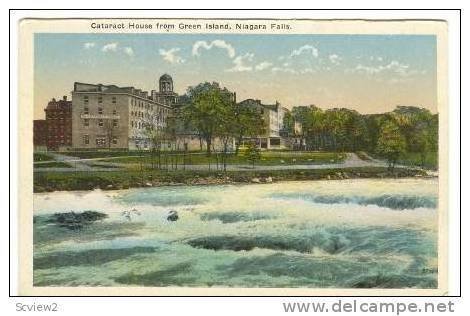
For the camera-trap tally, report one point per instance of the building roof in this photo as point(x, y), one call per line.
point(273, 107)
point(88, 87)
point(166, 77)
point(59, 105)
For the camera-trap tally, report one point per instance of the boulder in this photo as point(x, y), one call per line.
point(172, 216)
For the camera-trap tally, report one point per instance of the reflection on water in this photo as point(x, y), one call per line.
point(344, 234)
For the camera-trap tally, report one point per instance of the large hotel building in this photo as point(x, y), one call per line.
point(107, 116)
point(111, 117)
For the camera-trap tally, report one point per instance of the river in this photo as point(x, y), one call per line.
point(360, 233)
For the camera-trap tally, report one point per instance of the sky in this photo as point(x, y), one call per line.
point(368, 73)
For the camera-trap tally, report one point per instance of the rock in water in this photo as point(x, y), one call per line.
point(172, 216)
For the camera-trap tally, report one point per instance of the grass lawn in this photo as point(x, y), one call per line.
point(123, 179)
point(414, 159)
point(52, 164)
point(267, 158)
point(103, 154)
point(42, 157)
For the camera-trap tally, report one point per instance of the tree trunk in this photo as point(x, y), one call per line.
point(209, 144)
point(224, 158)
point(237, 146)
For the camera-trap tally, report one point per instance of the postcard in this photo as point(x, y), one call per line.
point(171, 157)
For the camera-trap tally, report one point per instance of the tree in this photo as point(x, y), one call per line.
point(391, 143)
point(110, 132)
point(227, 129)
point(288, 122)
point(205, 110)
point(154, 132)
point(248, 121)
point(252, 153)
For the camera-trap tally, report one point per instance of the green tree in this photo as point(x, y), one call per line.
point(391, 143)
point(248, 122)
point(227, 129)
point(288, 123)
point(156, 136)
point(252, 153)
point(205, 110)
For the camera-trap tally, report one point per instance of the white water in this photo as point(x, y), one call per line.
point(349, 233)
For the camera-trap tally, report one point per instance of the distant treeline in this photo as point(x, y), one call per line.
point(404, 132)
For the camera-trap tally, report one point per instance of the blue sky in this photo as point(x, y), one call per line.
point(369, 73)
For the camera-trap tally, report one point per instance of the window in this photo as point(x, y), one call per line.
point(86, 122)
point(100, 122)
point(86, 139)
point(114, 112)
point(115, 123)
point(132, 123)
point(85, 99)
point(100, 110)
point(100, 99)
point(86, 110)
point(114, 99)
point(114, 140)
point(275, 141)
point(100, 141)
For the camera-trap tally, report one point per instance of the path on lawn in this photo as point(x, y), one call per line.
point(96, 164)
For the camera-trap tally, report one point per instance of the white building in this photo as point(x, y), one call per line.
point(112, 117)
point(273, 115)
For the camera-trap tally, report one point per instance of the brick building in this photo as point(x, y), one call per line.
point(59, 124)
point(40, 135)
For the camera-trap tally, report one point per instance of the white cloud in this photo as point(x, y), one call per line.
point(240, 63)
point(171, 55)
point(114, 47)
point(263, 65)
point(128, 51)
point(284, 69)
point(216, 43)
point(305, 49)
point(394, 67)
point(89, 45)
point(296, 63)
point(376, 58)
point(111, 47)
point(334, 59)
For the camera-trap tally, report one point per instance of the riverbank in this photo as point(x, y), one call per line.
point(117, 180)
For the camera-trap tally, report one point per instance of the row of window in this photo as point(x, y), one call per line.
point(56, 114)
point(86, 110)
point(140, 104)
point(100, 99)
point(138, 125)
point(134, 102)
point(138, 114)
point(86, 122)
point(145, 105)
point(100, 141)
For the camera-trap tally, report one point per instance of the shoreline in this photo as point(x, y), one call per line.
point(109, 181)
